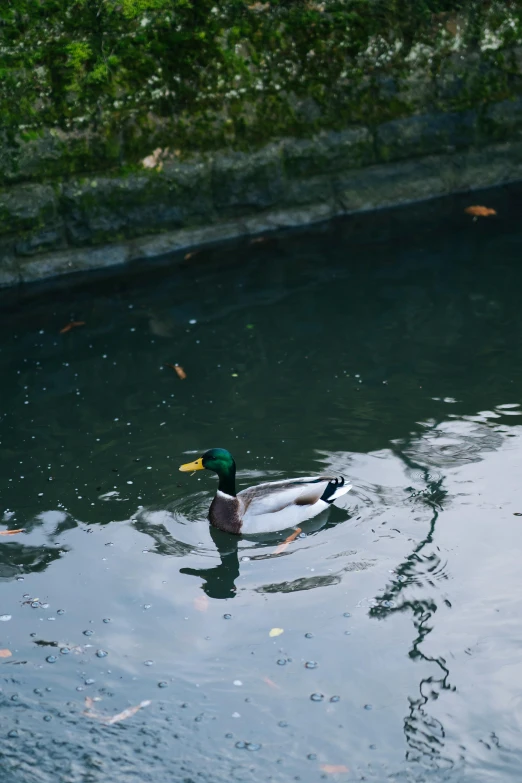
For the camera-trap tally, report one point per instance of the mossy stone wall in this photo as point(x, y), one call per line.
point(122, 119)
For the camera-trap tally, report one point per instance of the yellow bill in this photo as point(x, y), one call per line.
point(188, 467)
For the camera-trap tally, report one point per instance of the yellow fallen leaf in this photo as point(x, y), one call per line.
point(334, 769)
point(178, 369)
point(291, 537)
point(5, 653)
point(71, 325)
point(276, 632)
point(481, 211)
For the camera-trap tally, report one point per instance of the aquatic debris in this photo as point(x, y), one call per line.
point(271, 683)
point(276, 632)
point(193, 253)
point(284, 545)
point(90, 711)
point(480, 211)
point(12, 532)
point(258, 8)
point(71, 325)
point(156, 158)
point(334, 769)
point(5, 653)
point(178, 369)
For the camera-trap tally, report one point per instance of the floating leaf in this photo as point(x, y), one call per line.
point(334, 769)
point(12, 532)
point(191, 254)
point(480, 211)
point(284, 545)
point(5, 653)
point(71, 325)
point(178, 369)
point(271, 683)
point(276, 632)
point(128, 713)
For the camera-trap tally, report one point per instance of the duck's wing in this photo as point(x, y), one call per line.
point(274, 496)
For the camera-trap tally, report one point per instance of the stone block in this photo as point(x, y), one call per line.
point(425, 135)
point(244, 182)
point(328, 153)
point(102, 209)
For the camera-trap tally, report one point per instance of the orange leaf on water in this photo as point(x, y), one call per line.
point(480, 211)
point(71, 325)
point(178, 369)
point(334, 769)
point(190, 255)
point(5, 653)
point(271, 683)
point(291, 537)
point(12, 532)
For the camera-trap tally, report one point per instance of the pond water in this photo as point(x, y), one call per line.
point(386, 348)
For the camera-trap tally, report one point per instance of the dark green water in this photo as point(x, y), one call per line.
point(386, 348)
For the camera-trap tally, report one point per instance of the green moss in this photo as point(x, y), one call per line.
point(197, 75)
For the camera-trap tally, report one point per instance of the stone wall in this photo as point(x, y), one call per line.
point(293, 112)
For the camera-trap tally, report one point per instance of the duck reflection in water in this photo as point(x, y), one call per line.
point(219, 581)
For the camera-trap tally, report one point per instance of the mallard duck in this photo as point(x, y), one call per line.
point(275, 505)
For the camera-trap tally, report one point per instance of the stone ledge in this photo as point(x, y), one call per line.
point(357, 190)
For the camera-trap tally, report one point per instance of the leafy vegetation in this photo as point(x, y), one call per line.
point(199, 74)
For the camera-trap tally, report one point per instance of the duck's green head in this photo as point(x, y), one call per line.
point(220, 461)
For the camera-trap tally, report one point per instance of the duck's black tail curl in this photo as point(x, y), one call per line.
point(332, 490)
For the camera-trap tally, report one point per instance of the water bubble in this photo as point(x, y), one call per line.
point(163, 684)
point(13, 734)
point(47, 718)
point(367, 706)
point(309, 636)
point(301, 535)
point(148, 663)
point(101, 653)
point(311, 665)
point(4, 618)
point(281, 662)
point(107, 620)
point(372, 747)
point(312, 756)
point(35, 604)
point(347, 633)
point(90, 681)
point(228, 736)
point(227, 616)
point(147, 606)
point(51, 659)
point(253, 746)
point(80, 688)
point(240, 745)
point(20, 578)
point(88, 632)
point(317, 697)
point(335, 699)
point(38, 691)
point(283, 724)
point(64, 650)
point(347, 614)
point(238, 683)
